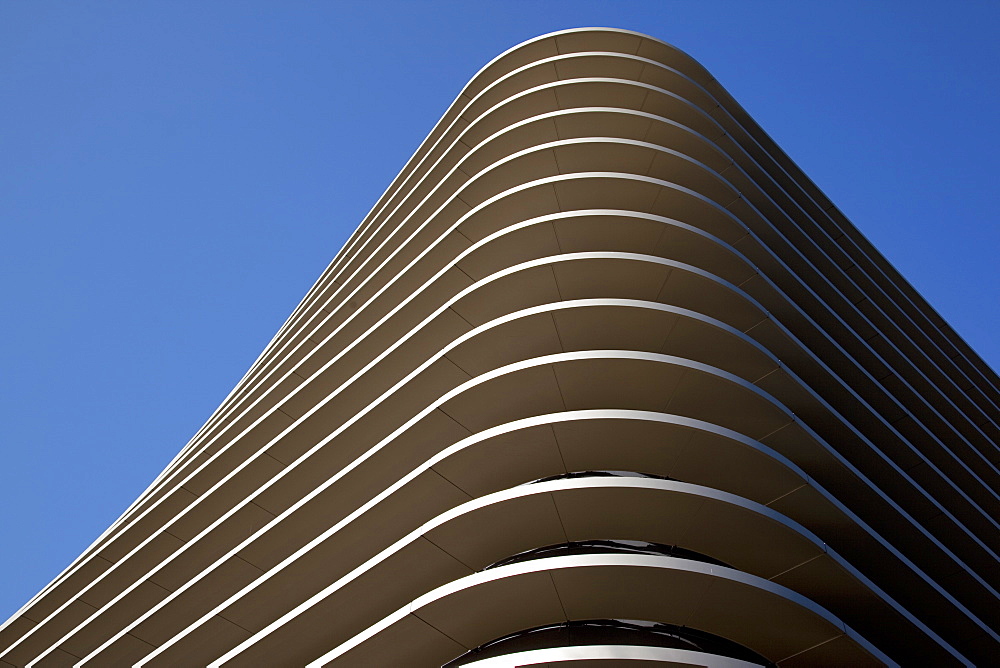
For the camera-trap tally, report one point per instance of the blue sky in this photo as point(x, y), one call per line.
point(175, 175)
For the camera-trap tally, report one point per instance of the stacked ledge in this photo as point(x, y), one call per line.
point(595, 264)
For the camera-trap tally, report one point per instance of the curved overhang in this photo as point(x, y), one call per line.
point(515, 259)
point(767, 618)
point(684, 387)
point(750, 536)
point(657, 381)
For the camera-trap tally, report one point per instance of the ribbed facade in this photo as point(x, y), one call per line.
point(598, 312)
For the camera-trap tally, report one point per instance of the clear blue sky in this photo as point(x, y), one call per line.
point(175, 175)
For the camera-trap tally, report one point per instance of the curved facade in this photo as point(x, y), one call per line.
point(598, 312)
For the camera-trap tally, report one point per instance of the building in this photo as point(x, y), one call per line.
point(602, 376)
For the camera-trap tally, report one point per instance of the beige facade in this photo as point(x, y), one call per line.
point(598, 312)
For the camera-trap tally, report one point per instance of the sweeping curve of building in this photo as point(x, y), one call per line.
point(603, 379)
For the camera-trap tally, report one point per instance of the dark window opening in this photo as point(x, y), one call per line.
point(599, 474)
point(607, 546)
point(611, 632)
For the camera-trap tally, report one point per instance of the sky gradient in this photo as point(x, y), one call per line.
point(174, 176)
